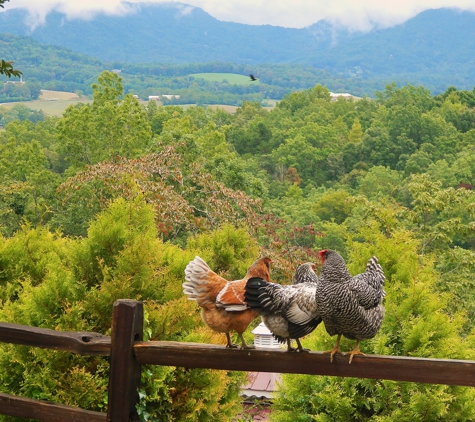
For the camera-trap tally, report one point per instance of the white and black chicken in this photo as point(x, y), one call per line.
point(288, 311)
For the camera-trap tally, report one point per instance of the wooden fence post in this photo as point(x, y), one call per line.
point(124, 378)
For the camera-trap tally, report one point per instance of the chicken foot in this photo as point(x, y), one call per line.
point(244, 344)
point(336, 348)
point(355, 351)
point(299, 348)
point(230, 344)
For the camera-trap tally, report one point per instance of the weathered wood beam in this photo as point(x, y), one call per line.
point(124, 378)
point(82, 343)
point(194, 355)
point(22, 407)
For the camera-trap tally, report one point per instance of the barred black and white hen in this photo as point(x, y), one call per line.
point(350, 306)
point(305, 273)
point(288, 311)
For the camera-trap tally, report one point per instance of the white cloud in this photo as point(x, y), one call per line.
point(84, 9)
point(185, 10)
point(360, 15)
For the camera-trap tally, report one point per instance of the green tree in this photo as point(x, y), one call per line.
point(417, 163)
point(438, 213)
point(299, 154)
point(333, 206)
point(356, 132)
point(21, 112)
point(107, 129)
point(441, 171)
point(380, 182)
point(27, 184)
point(456, 112)
point(379, 148)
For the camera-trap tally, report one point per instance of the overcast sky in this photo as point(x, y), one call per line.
point(356, 14)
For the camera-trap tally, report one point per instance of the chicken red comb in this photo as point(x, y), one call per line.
point(324, 251)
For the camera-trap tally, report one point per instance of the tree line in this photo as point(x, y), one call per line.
point(57, 68)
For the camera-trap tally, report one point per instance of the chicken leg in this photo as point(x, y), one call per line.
point(300, 348)
point(230, 344)
point(244, 344)
point(355, 351)
point(336, 348)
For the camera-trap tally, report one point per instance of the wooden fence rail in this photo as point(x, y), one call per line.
point(396, 368)
point(41, 410)
point(88, 344)
point(128, 352)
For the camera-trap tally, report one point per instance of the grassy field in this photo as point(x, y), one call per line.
point(47, 95)
point(232, 78)
point(232, 109)
point(54, 103)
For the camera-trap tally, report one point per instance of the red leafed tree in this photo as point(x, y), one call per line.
point(287, 245)
point(184, 196)
point(188, 200)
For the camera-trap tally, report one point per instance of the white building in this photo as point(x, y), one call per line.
point(20, 82)
point(335, 95)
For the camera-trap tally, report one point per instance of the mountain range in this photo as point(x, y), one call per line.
point(155, 41)
point(179, 33)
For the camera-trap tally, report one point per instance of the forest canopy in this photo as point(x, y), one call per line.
point(112, 200)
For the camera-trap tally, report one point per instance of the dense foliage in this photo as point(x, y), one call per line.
point(112, 200)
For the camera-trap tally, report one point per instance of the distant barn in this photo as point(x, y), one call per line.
point(335, 95)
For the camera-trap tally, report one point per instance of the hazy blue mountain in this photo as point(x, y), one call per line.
point(436, 47)
point(433, 39)
point(165, 32)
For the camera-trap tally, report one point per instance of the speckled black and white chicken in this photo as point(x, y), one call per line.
point(305, 273)
point(350, 306)
point(288, 311)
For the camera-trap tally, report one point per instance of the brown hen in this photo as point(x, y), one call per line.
point(222, 303)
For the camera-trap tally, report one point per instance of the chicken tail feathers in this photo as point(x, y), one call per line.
point(377, 278)
point(253, 291)
point(301, 330)
point(202, 284)
point(281, 340)
point(195, 272)
point(255, 283)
